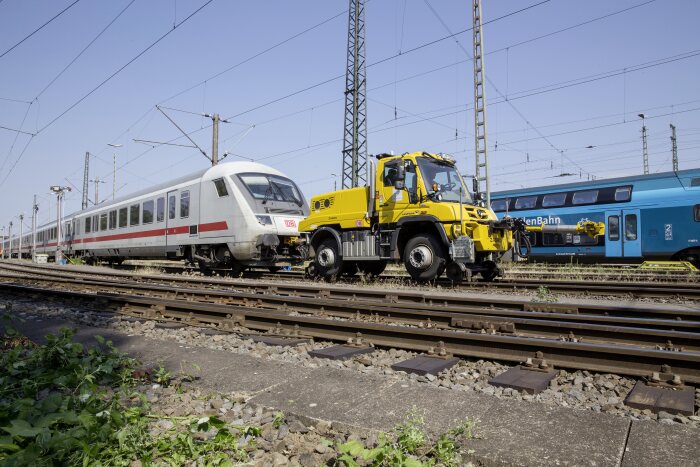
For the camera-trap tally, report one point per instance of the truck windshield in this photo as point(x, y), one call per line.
point(271, 187)
point(440, 177)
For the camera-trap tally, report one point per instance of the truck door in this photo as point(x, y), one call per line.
point(613, 242)
point(630, 234)
point(393, 202)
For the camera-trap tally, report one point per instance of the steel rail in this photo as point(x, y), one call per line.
point(620, 330)
point(395, 297)
point(610, 358)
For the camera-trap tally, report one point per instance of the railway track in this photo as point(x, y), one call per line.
point(641, 286)
point(626, 340)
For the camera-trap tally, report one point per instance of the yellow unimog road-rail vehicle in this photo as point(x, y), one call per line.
point(416, 210)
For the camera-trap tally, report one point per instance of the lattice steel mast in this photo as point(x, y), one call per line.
point(355, 134)
point(86, 177)
point(674, 149)
point(480, 144)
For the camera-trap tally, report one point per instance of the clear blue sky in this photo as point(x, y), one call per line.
point(418, 101)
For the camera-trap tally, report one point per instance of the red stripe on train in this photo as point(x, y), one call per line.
point(208, 227)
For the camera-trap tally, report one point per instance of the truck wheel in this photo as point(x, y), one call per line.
point(372, 268)
point(424, 258)
point(328, 262)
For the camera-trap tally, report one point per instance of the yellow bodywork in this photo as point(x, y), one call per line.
point(349, 209)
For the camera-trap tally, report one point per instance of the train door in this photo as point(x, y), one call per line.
point(171, 221)
point(613, 242)
point(622, 229)
point(630, 234)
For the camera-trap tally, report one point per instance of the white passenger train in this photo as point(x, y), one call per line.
point(233, 215)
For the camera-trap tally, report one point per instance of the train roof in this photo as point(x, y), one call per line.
point(211, 173)
point(679, 176)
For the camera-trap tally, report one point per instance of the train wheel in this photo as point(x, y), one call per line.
point(328, 262)
point(371, 268)
point(424, 258)
point(348, 269)
point(274, 269)
point(237, 268)
point(205, 269)
point(491, 271)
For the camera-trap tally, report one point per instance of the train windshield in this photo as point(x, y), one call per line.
point(442, 178)
point(271, 187)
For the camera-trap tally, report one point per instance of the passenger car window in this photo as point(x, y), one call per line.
point(499, 205)
point(135, 214)
point(184, 204)
point(148, 212)
point(160, 210)
point(88, 226)
point(553, 239)
point(171, 207)
point(623, 193)
point(613, 228)
point(112, 219)
point(220, 185)
point(527, 202)
point(553, 200)
point(695, 182)
point(103, 221)
point(697, 212)
point(631, 227)
point(123, 218)
point(585, 197)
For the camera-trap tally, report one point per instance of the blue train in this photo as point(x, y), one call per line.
point(647, 217)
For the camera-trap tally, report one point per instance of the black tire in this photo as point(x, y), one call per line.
point(424, 258)
point(372, 268)
point(328, 262)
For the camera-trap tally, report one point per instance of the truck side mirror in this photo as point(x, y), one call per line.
point(475, 185)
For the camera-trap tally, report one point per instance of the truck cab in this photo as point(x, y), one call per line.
point(416, 210)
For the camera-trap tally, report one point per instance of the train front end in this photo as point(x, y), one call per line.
point(268, 209)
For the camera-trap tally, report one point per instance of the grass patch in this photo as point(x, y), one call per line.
point(64, 404)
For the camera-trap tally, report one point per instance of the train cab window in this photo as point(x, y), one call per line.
point(613, 228)
point(160, 210)
point(623, 193)
point(696, 212)
point(172, 207)
point(631, 227)
point(135, 214)
point(103, 221)
point(184, 204)
point(220, 185)
point(113, 219)
point(123, 217)
point(527, 202)
point(499, 205)
point(148, 212)
point(585, 197)
point(88, 226)
point(554, 200)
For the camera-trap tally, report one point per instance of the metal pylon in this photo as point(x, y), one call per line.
point(674, 149)
point(86, 176)
point(355, 135)
point(480, 145)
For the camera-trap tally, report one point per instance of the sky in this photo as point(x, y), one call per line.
point(565, 83)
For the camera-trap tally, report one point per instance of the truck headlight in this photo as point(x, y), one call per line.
point(264, 220)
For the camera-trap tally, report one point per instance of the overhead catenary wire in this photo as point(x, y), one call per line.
point(38, 29)
point(105, 81)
